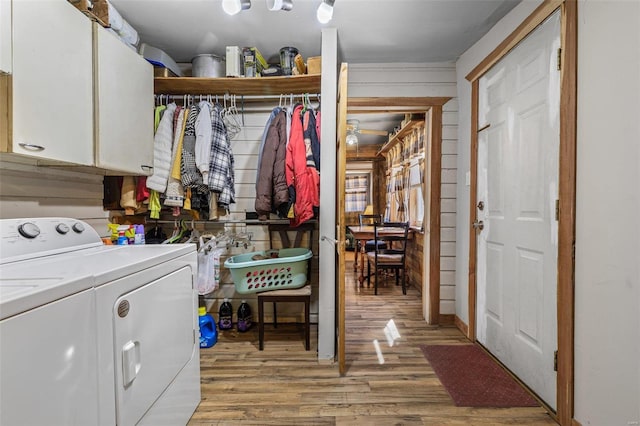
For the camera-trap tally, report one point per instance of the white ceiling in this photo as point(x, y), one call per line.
point(368, 30)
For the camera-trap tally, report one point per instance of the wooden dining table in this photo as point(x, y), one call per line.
point(362, 234)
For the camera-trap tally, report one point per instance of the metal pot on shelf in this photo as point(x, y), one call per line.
point(208, 65)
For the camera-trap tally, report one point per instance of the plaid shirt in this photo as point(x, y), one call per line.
point(221, 162)
point(190, 175)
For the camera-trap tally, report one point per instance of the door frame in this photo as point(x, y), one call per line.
point(567, 187)
point(433, 107)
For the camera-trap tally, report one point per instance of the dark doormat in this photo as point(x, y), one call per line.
point(473, 379)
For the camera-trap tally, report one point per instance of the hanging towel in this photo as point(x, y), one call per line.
point(162, 151)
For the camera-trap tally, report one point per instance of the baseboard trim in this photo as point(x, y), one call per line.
point(446, 319)
point(462, 326)
point(574, 422)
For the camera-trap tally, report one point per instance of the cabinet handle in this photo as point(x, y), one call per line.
point(145, 167)
point(31, 147)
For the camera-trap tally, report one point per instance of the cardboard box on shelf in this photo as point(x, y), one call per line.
point(314, 65)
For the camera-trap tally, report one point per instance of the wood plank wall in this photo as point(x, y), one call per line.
point(448, 207)
point(27, 190)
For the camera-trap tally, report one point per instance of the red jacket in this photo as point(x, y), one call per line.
point(303, 181)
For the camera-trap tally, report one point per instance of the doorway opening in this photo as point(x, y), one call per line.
point(414, 142)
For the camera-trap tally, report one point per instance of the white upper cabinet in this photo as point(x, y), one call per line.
point(5, 36)
point(124, 106)
point(52, 82)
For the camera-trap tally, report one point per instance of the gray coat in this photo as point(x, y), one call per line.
point(272, 194)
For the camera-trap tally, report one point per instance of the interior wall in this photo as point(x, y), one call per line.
point(421, 80)
point(607, 277)
point(27, 190)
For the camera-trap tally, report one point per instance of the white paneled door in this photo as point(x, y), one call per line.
point(517, 189)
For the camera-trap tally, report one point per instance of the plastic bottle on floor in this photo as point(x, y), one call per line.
point(225, 319)
point(244, 316)
point(208, 332)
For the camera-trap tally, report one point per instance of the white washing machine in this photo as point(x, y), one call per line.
point(93, 334)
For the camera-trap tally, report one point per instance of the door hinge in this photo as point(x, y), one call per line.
point(557, 210)
point(559, 59)
point(573, 250)
point(555, 360)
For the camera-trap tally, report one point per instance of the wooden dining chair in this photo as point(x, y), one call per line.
point(389, 252)
point(369, 219)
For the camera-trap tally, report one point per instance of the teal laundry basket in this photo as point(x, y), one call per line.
point(269, 270)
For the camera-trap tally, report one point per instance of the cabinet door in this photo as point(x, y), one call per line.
point(52, 82)
point(124, 107)
point(5, 36)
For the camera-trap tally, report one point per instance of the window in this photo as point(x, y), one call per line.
point(405, 180)
point(358, 193)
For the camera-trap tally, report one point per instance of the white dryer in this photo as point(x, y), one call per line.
point(94, 334)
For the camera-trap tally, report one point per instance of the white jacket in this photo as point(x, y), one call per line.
point(203, 140)
point(162, 151)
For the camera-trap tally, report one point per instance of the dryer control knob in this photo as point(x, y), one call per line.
point(78, 227)
point(62, 228)
point(29, 230)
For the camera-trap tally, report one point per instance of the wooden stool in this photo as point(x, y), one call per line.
point(286, 295)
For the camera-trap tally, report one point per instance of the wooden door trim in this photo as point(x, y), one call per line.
point(541, 13)
point(567, 206)
point(567, 189)
point(6, 112)
point(434, 188)
point(340, 233)
point(473, 213)
point(433, 107)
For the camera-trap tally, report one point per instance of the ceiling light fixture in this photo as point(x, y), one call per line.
point(275, 5)
point(352, 139)
point(232, 7)
point(325, 11)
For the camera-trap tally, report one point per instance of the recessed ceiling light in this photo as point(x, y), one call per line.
point(232, 7)
point(325, 11)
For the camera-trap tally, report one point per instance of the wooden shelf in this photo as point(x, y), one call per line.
point(402, 133)
point(258, 86)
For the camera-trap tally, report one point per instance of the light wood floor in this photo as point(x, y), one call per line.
point(285, 385)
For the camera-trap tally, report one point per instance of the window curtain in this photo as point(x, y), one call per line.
point(356, 188)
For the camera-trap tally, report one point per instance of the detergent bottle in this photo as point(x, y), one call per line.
point(226, 315)
point(244, 316)
point(208, 331)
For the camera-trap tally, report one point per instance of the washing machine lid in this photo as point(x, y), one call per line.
point(29, 284)
point(46, 259)
point(126, 260)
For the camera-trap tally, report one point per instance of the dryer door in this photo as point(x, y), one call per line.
point(154, 338)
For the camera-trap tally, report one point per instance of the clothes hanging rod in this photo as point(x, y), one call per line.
point(225, 222)
point(240, 98)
